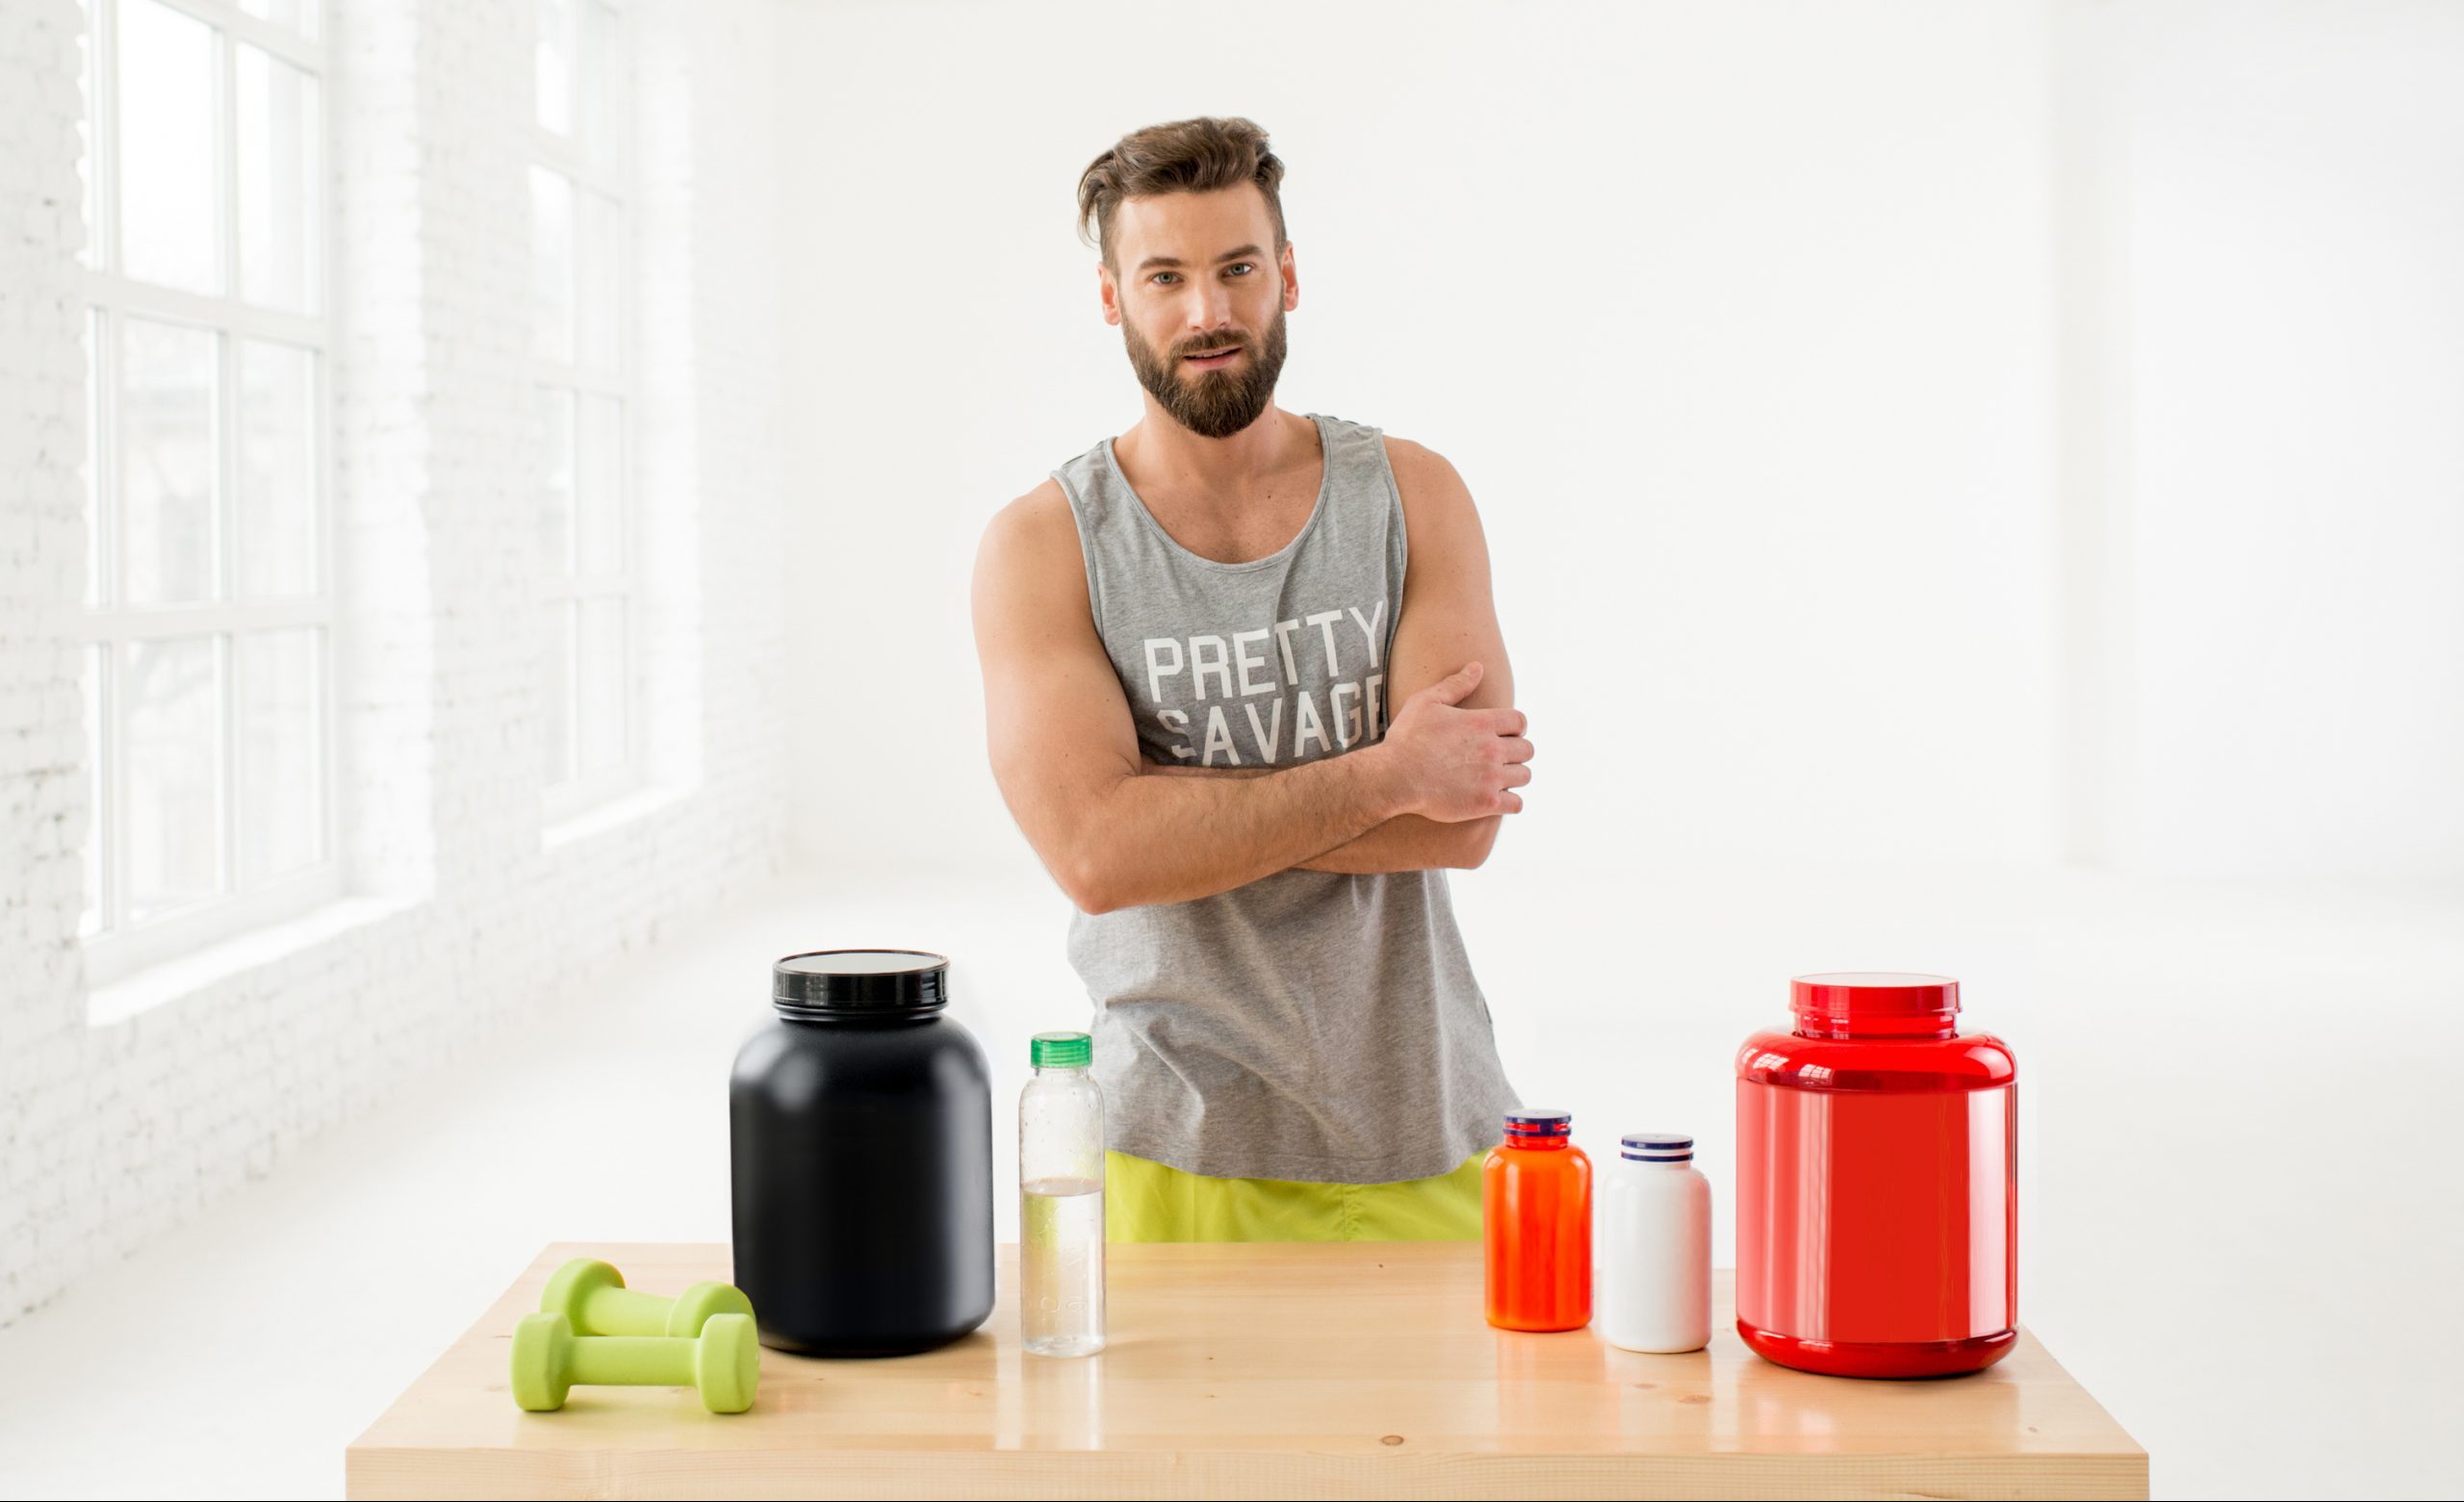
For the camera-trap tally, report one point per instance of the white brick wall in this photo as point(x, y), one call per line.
point(110, 1135)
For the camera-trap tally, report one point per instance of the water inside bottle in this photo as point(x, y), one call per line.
point(1062, 1258)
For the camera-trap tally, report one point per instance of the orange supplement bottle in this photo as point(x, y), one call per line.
point(1535, 1210)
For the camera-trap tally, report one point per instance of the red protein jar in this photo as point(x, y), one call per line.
point(1877, 1209)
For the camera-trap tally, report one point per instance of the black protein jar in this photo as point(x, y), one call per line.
point(861, 1127)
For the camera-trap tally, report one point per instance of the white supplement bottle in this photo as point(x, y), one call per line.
point(1654, 1263)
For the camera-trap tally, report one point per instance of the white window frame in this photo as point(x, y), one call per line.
point(117, 946)
point(611, 177)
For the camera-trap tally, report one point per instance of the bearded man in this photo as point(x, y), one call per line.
point(1191, 637)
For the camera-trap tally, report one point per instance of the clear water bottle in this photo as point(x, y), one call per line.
point(1061, 1199)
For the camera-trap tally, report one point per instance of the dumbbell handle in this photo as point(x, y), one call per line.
point(593, 1300)
point(632, 1361)
point(625, 1309)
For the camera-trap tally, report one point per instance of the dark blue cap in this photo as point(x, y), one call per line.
point(1656, 1147)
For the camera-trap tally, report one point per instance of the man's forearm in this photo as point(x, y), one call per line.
point(1408, 842)
point(1405, 841)
point(1173, 839)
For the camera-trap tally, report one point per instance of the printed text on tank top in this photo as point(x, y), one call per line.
point(1339, 648)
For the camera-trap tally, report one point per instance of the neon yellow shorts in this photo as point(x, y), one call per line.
point(1145, 1200)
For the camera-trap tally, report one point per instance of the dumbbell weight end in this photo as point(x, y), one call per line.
point(542, 1358)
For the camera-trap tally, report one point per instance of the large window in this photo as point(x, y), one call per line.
point(590, 606)
point(210, 624)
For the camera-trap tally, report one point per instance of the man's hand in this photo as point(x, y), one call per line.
point(1446, 617)
point(1461, 739)
point(1458, 764)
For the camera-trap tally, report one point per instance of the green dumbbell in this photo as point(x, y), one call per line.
point(723, 1363)
point(593, 1300)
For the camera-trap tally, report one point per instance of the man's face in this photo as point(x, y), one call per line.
point(1200, 296)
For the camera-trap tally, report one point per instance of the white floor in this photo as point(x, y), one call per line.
point(2241, 1226)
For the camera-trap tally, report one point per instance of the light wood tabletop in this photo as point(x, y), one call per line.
point(1250, 1370)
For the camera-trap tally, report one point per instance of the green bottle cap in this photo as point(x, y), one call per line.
point(1060, 1051)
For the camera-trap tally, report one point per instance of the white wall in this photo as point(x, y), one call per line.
point(2288, 315)
point(1738, 320)
point(121, 1119)
point(1934, 432)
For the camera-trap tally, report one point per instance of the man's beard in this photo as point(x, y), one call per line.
point(1210, 403)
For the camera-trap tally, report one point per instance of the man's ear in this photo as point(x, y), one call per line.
point(1291, 277)
point(1108, 292)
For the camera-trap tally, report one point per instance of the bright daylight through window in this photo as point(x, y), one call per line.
point(209, 664)
point(583, 373)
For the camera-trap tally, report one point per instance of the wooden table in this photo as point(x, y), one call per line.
point(1259, 1370)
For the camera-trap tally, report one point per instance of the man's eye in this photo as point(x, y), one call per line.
point(1161, 276)
point(1242, 267)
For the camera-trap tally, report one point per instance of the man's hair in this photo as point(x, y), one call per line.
point(1198, 156)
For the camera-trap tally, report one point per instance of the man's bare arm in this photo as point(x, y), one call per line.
point(1406, 842)
point(1064, 750)
point(1447, 616)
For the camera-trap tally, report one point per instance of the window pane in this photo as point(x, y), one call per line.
point(279, 217)
point(600, 671)
point(97, 842)
point(599, 317)
point(556, 480)
point(167, 462)
point(600, 460)
point(605, 86)
point(552, 243)
point(174, 751)
point(300, 15)
point(555, 690)
point(97, 330)
point(282, 781)
point(277, 469)
point(556, 65)
point(166, 176)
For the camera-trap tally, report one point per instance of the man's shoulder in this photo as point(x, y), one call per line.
point(1428, 484)
point(1035, 521)
point(1028, 563)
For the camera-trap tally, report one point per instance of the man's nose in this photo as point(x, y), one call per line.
point(1210, 310)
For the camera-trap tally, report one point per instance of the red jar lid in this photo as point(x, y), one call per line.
point(1873, 996)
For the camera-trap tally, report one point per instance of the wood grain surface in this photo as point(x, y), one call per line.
point(1250, 1370)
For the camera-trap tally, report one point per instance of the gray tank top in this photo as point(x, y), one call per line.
point(1312, 1024)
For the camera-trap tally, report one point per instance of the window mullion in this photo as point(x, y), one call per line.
point(117, 682)
point(568, 158)
point(172, 622)
point(227, 775)
point(270, 36)
point(226, 619)
point(108, 842)
point(102, 831)
point(102, 326)
point(170, 304)
point(226, 471)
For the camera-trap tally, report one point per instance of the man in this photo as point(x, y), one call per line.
point(1190, 636)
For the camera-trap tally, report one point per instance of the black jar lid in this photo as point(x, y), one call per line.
point(871, 980)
